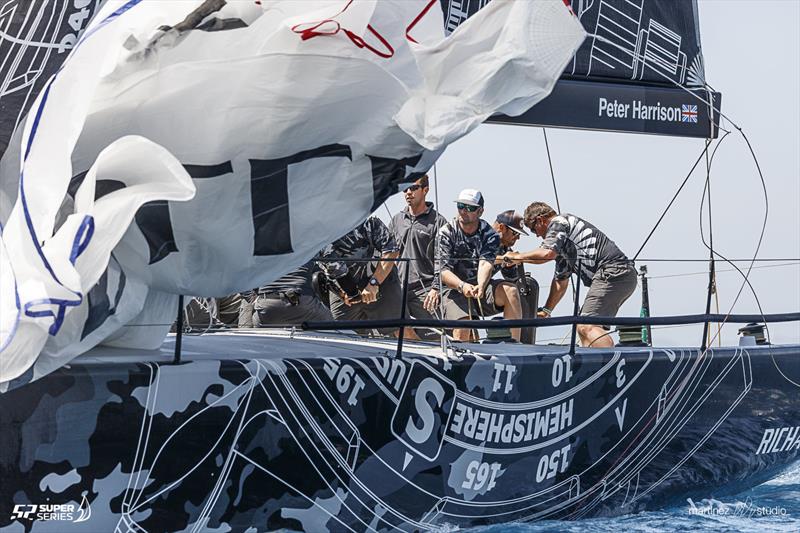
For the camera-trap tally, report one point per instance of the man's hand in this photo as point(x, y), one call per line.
point(431, 301)
point(469, 290)
point(480, 290)
point(511, 258)
point(542, 314)
point(369, 294)
point(351, 300)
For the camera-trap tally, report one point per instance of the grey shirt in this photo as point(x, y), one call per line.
point(416, 236)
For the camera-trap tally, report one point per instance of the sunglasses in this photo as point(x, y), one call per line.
point(467, 207)
point(413, 188)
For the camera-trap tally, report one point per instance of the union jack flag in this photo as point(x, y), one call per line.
point(688, 113)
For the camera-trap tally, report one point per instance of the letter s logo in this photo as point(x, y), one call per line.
point(423, 414)
point(428, 386)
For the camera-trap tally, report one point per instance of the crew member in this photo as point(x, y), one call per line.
point(414, 229)
point(289, 300)
point(360, 290)
point(508, 226)
point(572, 241)
point(468, 248)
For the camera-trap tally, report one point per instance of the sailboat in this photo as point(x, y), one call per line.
point(260, 430)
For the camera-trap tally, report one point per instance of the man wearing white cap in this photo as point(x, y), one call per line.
point(468, 247)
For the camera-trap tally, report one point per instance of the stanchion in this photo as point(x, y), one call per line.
point(575, 311)
point(401, 332)
point(179, 334)
point(647, 333)
point(711, 268)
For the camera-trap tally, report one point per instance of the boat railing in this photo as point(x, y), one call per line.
point(574, 319)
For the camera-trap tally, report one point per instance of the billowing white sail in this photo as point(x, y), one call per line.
point(215, 156)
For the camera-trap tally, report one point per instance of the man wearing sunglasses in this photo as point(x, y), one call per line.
point(414, 229)
point(468, 248)
point(580, 248)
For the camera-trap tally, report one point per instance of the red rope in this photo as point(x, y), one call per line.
point(314, 30)
point(418, 18)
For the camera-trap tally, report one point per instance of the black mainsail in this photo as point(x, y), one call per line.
point(641, 70)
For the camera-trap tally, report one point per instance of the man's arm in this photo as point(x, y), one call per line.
point(451, 280)
point(485, 271)
point(557, 289)
point(385, 266)
point(536, 257)
point(370, 293)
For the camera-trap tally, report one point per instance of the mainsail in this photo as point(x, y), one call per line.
point(195, 147)
point(640, 70)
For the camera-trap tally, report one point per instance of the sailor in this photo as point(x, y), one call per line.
point(508, 226)
point(290, 300)
point(468, 248)
point(572, 241)
point(202, 314)
point(414, 228)
point(362, 290)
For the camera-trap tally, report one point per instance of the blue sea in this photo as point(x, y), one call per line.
point(773, 506)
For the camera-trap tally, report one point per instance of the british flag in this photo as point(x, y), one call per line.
point(688, 113)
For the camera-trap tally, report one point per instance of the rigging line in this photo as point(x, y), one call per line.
point(719, 271)
point(713, 286)
point(712, 277)
point(555, 191)
point(552, 174)
point(675, 197)
point(755, 255)
point(761, 235)
point(761, 260)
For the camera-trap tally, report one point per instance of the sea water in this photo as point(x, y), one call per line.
point(773, 506)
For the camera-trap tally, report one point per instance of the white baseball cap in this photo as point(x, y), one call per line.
point(470, 197)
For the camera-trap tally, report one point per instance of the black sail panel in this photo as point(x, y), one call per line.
point(640, 70)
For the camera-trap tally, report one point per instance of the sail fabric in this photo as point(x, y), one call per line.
point(35, 38)
point(633, 41)
point(204, 148)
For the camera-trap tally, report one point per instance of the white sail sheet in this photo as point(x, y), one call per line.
point(210, 160)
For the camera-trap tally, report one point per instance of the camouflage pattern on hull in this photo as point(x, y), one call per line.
point(344, 437)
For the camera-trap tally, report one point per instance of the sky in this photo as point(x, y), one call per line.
point(622, 182)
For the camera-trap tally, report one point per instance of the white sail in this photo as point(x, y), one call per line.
point(206, 162)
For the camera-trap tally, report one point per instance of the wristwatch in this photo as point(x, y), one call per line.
point(374, 282)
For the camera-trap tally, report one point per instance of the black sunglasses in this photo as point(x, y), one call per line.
point(413, 188)
point(467, 207)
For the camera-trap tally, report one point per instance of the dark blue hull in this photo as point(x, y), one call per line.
point(341, 436)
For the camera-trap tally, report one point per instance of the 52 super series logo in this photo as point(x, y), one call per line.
point(48, 512)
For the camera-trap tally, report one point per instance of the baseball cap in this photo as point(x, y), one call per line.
point(513, 220)
point(470, 197)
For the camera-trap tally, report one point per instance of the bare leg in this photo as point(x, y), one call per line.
point(409, 334)
point(464, 334)
point(507, 296)
point(594, 336)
